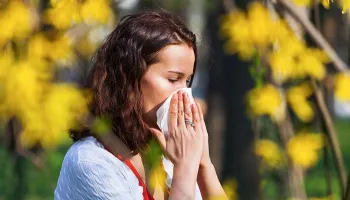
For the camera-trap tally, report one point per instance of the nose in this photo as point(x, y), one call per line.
point(183, 85)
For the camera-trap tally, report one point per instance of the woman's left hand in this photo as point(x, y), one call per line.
point(205, 158)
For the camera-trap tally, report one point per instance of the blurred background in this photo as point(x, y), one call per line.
point(278, 125)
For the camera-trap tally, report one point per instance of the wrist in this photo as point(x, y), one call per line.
point(206, 169)
point(186, 166)
point(205, 165)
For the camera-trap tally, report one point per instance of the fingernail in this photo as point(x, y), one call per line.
point(180, 95)
point(175, 96)
point(193, 106)
point(186, 95)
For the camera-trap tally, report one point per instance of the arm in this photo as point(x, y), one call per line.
point(209, 183)
point(183, 147)
point(207, 179)
point(184, 182)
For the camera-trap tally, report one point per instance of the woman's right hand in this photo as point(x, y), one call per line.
point(183, 145)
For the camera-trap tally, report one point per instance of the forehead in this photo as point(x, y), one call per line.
point(177, 57)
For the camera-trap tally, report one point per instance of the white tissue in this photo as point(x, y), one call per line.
point(163, 111)
point(162, 122)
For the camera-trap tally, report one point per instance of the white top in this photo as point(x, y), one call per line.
point(90, 172)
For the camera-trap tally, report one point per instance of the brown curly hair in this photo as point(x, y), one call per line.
point(118, 66)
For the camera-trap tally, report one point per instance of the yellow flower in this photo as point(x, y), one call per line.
point(297, 98)
point(93, 11)
point(282, 66)
point(255, 31)
point(234, 27)
point(23, 18)
point(303, 149)
point(59, 111)
point(260, 24)
point(342, 85)
point(325, 3)
point(345, 4)
point(288, 55)
point(38, 47)
point(60, 49)
point(6, 61)
point(312, 61)
point(267, 100)
point(293, 60)
point(22, 87)
point(46, 110)
point(63, 13)
point(269, 152)
point(15, 21)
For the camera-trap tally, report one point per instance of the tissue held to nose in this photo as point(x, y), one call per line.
point(163, 111)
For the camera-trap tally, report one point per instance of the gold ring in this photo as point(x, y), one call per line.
point(181, 112)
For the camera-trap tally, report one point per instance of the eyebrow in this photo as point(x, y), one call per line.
point(179, 73)
point(176, 72)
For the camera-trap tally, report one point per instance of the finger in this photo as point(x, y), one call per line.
point(160, 138)
point(196, 119)
point(173, 112)
point(202, 123)
point(188, 111)
point(180, 117)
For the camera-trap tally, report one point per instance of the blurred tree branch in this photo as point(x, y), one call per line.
point(315, 34)
point(341, 66)
point(326, 157)
point(295, 173)
point(331, 135)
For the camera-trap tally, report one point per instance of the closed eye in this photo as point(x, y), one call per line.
point(173, 80)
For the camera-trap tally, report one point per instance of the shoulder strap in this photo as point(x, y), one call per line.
point(146, 194)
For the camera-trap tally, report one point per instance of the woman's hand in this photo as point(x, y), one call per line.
point(205, 158)
point(185, 142)
point(184, 145)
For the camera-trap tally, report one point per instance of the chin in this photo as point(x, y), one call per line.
point(150, 116)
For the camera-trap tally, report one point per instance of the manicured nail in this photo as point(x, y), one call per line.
point(180, 94)
point(175, 96)
point(185, 95)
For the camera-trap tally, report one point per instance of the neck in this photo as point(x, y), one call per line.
point(119, 148)
point(116, 145)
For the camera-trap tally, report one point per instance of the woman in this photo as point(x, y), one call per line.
point(146, 58)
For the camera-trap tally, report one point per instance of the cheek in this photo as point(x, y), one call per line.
point(155, 91)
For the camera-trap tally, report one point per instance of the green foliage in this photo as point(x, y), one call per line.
point(27, 180)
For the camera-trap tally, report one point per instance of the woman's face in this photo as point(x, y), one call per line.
point(172, 71)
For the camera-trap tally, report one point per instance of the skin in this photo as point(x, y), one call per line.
point(172, 72)
point(187, 146)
